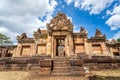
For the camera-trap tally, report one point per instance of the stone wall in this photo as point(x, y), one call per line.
point(44, 64)
point(99, 63)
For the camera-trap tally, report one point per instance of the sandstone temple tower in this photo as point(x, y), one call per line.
point(59, 40)
point(59, 51)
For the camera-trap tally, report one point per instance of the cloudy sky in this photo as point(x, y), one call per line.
point(18, 16)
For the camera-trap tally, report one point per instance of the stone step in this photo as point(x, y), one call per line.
point(62, 62)
point(60, 58)
point(76, 68)
point(80, 73)
point(61, 74)
point(61, 65)
point(61, 69)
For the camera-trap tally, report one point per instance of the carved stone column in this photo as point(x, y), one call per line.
point(90, 49)
point(19, 50)
point(4, 53)
point(32, 49)
point(35, 47)
point(49, 46)
point(52, 46)
point(104, 49)
point(67, 46)
point(71, 50)
point(86, 45)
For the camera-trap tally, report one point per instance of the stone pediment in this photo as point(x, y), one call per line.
point(83, 31)
point(99, 34)
point(60, 22)
point(40, 34)
point(22, 36)
point(24, 39)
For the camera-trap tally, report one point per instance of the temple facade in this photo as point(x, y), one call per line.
point(59, 40)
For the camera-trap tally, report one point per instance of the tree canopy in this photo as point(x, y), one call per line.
point(118, 39)
point(5, 40)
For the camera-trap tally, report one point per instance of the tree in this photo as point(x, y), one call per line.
point(118, 39)
point(5, 40)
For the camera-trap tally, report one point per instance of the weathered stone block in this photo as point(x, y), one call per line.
point(45, 71)
point(35, 68)
point(45, 63)
point(76, 62)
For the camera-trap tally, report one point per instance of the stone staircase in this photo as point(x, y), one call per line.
point(61, 66)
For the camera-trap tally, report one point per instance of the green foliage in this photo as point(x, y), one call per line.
point(118, 39)
point(4, 40)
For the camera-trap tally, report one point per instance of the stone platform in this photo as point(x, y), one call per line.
point(57, 65)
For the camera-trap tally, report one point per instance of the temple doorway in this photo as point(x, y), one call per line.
point(60, 47)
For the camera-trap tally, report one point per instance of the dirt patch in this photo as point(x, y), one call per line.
point(14, 75)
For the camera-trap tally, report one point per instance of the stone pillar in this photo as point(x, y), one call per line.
point(105, 51)
point(67, 46)
point(32, 51)
point(52, 52)
point(35, 47)
point(86, 46)
point(71, 48)
point(4, 53)
point(49, 46)
point(18, 50)
point(111, 52)
point(54, 45)
point(90, 49)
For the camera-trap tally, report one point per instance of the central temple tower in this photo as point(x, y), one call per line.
point(60, 38)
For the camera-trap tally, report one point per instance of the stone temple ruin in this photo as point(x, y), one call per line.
point(59, 51)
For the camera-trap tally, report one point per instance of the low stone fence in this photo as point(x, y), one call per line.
point(24, 63)
point(98, 64)
point(44, 65)
point(77, 67)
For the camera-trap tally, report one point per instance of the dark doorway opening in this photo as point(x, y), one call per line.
point(9, 55)
point(60, 47)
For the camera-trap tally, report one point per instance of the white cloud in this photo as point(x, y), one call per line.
point(75, 30)
point(68, 1)
point(68, 17)
point(17, 16)
point(114, 19)
point(93, 6)
point(114, 22)
point(9, 33)
point(117, 35)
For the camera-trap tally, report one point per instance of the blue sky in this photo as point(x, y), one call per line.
point(18, 16)
point(90, 22)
